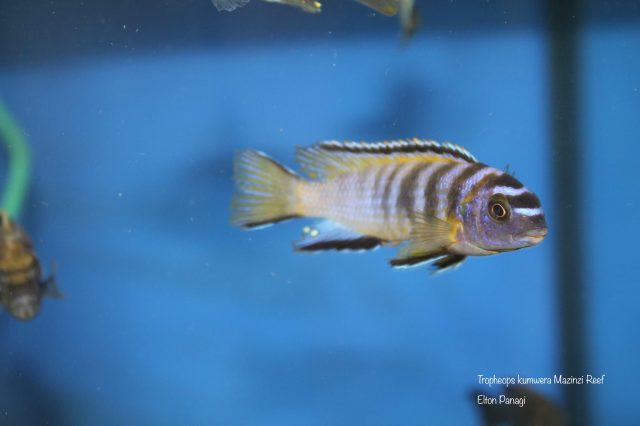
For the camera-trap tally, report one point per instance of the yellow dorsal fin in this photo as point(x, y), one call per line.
point(326, 160)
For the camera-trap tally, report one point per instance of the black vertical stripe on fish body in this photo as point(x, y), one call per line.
point(378, 183)
point(455, 190)
point(406, 196)
point(430, 196)
point(388, 188)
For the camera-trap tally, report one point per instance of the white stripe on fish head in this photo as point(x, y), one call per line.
point(509, 191)
point(477, 178)
point(525, 211)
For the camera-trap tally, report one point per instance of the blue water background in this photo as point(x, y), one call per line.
point(172, 316)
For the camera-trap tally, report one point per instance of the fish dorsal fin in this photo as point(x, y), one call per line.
point(328, 159)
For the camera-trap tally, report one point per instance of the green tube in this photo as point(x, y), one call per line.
point(19, 167)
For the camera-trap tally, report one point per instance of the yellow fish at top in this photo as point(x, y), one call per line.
point(386, 7)
point(436, 198)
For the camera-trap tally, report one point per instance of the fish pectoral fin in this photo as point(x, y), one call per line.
point(327, 235)
point(446, 263)
point(429, 240)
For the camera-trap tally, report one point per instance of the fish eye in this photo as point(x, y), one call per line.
point(498, 210)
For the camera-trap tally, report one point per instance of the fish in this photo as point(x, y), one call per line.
point(435, 201)
point(536, 409)
point(21, 285)
point(310, 6)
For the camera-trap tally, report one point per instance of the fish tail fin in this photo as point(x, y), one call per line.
point(266, 191)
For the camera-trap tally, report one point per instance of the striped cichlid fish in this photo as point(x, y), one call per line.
point(436, 198)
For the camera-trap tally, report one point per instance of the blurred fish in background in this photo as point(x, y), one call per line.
point(436, 197)
point(407, 10)
point(21, 285)
point(538, 410)
point(310, 6)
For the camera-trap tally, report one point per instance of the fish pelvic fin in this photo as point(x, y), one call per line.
point(429, 240)
point(445, 263)
point(266, 192)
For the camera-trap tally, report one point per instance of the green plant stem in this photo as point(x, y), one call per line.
point(19, 167)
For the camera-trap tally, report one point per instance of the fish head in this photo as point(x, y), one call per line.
point(23, 303)
point(504, 216)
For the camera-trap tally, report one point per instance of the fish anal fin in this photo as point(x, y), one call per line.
point(328, 235)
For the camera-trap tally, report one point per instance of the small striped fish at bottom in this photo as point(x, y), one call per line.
point(21, 285)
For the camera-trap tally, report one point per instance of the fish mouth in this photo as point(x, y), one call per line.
point(534, 236)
